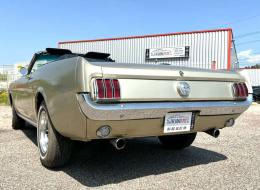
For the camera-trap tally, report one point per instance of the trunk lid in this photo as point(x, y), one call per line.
point(140, 82)
point(145, 71)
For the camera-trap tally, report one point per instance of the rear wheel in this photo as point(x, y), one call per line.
point(17, 122)
point(55, 150)
point(177, 141)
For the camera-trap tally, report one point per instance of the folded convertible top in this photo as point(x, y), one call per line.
point(91, 55)
point(57, 51)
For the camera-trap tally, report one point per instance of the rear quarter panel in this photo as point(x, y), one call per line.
point(59, 82)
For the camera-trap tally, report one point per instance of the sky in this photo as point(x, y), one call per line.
point(29, 26)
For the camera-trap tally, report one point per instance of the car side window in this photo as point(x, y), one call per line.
point(42, 60)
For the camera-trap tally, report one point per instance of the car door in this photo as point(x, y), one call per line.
point(20, 96)
point(32, 86)
point(21, 92)
point(30, 109)
point(34, 81)
point(26, 86)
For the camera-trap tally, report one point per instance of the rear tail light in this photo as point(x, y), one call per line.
point(106, 89)
point(116, 89)
point(240, 90)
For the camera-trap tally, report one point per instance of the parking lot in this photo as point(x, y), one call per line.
point(231, 161)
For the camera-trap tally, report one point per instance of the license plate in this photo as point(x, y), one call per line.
point(177, 122)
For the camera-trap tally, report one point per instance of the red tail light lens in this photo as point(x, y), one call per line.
point(100, 89)
point(116, 89)
point(245, 89)
point(240, 90)
point(106, 89)
point(235, 90)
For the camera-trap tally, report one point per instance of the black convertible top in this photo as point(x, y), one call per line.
point(57, 51)
point(65, 53)
point(91, 55)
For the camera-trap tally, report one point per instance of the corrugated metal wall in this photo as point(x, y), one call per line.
point(253, 76)
point(205, 47)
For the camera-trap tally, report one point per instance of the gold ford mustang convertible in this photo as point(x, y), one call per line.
point(70, 96)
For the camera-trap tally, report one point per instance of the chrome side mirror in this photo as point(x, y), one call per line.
point(23, 71)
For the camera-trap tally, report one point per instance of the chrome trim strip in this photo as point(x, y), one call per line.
point(125, 111)
point(27, 120)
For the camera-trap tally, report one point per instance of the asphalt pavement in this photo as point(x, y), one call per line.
point(231, 161)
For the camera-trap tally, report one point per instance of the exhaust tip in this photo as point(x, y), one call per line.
point(216, 133)
point(119, 143)
point(213, 132)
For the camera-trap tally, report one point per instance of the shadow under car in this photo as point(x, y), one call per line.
point(98, 163)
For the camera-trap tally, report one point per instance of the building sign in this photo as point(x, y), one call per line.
point(163, 53)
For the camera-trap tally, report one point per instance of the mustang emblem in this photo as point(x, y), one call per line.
point(183, 89)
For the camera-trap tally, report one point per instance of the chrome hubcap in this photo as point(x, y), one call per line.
point(43, 132)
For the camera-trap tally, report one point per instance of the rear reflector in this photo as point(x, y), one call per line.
point(106, 89)
point(240, 90)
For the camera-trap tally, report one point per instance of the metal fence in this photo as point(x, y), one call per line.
point(8, 74)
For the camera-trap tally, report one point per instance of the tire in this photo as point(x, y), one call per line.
point(17, 122)
point(177, 142)
point(54, 149)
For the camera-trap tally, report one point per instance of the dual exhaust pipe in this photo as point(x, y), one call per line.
point(120, 143)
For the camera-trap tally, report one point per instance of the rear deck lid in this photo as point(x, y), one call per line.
point(145, 71)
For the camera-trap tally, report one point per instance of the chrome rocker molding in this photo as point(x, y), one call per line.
point(125, 111)
point(27, 120)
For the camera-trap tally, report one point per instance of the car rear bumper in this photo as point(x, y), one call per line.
point(153, 127)
point(150, 110)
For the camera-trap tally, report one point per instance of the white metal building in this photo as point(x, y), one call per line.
point(7, 75)
point(253, 76)
point(209, 49)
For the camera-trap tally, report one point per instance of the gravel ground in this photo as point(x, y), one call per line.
point(230, 162)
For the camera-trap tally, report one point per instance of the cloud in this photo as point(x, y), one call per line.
point(249, 57)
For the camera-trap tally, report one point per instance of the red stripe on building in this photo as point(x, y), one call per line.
point(149, 36)
point(229, 49)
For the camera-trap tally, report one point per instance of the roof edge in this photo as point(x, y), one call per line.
point(146, 36)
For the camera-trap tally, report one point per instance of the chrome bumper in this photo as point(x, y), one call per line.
point(125, 111)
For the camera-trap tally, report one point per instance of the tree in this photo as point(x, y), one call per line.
point(3, 77)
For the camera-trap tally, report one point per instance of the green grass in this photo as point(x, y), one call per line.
point(3, 98)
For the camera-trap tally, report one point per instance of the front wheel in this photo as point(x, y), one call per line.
point(55, 150)
point(177, 141)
